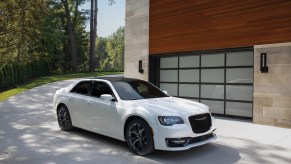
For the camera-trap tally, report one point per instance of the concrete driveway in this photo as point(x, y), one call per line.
point(29, 134)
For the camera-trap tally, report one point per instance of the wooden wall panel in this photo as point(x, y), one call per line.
point(191, 25)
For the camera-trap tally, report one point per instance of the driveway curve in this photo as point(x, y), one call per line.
point(29, 134)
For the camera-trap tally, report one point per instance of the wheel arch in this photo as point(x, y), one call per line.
point(129, 119)
point(64, 104)
point(61, 104)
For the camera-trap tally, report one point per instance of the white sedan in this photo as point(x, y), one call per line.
point(134, 111)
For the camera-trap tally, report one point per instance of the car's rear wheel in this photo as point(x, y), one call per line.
point(64, 118)
point(139, 137)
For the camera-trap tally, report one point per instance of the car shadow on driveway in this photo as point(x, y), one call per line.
point(99, 139)
point(209, 153)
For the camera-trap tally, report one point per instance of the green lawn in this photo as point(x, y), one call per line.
point(47, 79)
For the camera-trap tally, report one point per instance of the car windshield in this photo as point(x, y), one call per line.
point(137, 89)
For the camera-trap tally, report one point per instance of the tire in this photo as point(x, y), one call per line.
point(64, 118)
point(139, 137)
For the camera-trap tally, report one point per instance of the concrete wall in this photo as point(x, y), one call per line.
point(272, 91)
point(136, 38)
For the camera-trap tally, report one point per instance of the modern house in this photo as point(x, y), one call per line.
point(234, 56)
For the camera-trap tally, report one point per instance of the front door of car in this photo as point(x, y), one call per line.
point(103, 112)
point(79, 105)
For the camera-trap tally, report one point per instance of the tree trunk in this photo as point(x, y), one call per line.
point(76, 13)
point(20, 41)
point(93, 30)
point(72, 37)
point(91, 36)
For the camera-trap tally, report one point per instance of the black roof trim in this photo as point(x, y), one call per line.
point(115, 79)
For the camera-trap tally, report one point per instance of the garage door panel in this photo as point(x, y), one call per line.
point(170, 88)
point(169, 75)
point(170, 62)
point(189, 75)
point(239, 58)
point(239, 92)
point(223, 80)
point(239, 109)
point(189, 90)
point(212, 91)
point(213, 60)
point(239, 75)
point(212, 75)
point(216, 107)
point(189, 61)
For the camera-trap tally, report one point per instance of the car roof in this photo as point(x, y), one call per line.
point(115, 79)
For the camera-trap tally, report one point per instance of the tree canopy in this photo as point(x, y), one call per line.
point(53, 31)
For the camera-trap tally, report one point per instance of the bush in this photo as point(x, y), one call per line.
point(16, 73)
point(109, 70)
point(2, 82)
point(12, 74)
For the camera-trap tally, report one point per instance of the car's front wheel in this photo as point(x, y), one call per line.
point(139, 137)
point(64, 118)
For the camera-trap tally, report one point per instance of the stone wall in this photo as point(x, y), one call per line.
point(136, 38)
point(272, 91)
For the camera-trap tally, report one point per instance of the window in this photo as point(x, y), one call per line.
point(100, 88)
point(82, 88)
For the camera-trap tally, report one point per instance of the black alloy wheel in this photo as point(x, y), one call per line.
point(139, 137)
point(64, 118)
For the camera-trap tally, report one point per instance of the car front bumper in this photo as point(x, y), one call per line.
point(181, 137)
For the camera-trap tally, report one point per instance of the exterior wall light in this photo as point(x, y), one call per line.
point(264, 67)
point(140, 69)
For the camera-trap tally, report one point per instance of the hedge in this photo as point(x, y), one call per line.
point(14, 73)
point(109, 70)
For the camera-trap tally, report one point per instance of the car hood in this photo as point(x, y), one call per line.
point(172, 106)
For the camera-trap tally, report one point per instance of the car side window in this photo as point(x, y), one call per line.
point(82, 88)
point(100, 88)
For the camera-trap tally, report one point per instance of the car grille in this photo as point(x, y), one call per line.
point(200, 123)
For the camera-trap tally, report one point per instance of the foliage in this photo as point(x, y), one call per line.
point(110, 51)
point(115, 47)
point(21, 21)
point(35, 40)
point(12, 74)
point(48, 79)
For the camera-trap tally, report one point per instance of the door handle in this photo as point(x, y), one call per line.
point(70, 98)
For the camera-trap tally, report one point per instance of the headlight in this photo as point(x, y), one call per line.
point(170, 120)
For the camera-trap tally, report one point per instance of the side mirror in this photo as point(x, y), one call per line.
point(106, 97)
point(165, 92)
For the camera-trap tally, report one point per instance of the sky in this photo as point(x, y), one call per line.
point(109, 18)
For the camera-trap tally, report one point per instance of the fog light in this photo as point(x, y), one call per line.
point(177, 142)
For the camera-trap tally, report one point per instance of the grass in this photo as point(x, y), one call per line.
point(47, 79)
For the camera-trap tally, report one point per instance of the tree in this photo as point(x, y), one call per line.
point(101, 53)
point(72, 35)
point(21, 25)
point(115, 48)
point(93, 31)
point(50, 34)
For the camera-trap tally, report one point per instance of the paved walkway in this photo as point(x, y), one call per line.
point(29, 134)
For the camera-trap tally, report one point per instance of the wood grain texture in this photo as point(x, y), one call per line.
point(192, 25)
